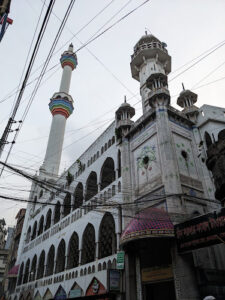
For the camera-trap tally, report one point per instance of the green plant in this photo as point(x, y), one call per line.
point(69, 178)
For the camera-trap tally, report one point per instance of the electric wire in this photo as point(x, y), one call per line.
point(59, 32)
point(29, 68)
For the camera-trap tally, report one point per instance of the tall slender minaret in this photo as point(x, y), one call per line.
point(61, 107)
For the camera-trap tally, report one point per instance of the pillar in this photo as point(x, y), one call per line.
point(130, 276)
point(184, 276)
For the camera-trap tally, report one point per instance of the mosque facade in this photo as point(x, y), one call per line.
point(107, 228)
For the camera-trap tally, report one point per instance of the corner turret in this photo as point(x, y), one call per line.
point(150, 65)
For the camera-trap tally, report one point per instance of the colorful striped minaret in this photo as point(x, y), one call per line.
point(61, 107)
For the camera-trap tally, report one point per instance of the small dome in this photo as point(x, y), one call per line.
point(125, 107)
point(151, 222)
point(186, 95)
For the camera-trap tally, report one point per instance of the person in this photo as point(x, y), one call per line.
point(209, 298)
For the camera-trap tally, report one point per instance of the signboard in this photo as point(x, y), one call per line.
point(61, 294)
point(75, 293)
point(120, 260)
point(202, 231)
point(155, 274)
point(113, 280)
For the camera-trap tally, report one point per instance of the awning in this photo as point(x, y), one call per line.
point(99, 296)
point(14, 271)
point(151, 222)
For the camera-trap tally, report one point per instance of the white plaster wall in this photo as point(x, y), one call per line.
point(55, 143)
point(144, 174)
point(65, 81)
point(186, 167)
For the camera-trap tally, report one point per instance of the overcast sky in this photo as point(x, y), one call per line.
point(103, 76)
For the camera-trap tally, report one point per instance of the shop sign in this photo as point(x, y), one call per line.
point(120, 260)
point(157, 273)
point(113, 280)
point(75, 293)
point(61, 294)
point(202, 231)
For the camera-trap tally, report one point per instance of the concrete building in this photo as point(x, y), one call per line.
point(2, 233)
point(125, 192)
point(3, 254)
point(11, 269)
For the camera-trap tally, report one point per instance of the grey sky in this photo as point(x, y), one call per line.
point(189, 28)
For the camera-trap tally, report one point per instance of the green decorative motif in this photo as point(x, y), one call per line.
point(147, 156)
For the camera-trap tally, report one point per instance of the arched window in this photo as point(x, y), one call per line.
point(107, 236)
point(20, 278)
point(41, 225)
point(41, 265)
point(60, 259)
point(73, 251)
point(113, 140)
point(102, 149)
point(78, 194)
point(48, 219)
point(91, 186)
point(107, 173)
point(34, 232)
point(50, 261)
point(57, 213)
point(28, 235)
point(26, 272)
point(221, 135)
point(208, 139)
point(88, 245)
point(67, 205)
point(119, 163)
point(105, 148)
point(33, 268)
point(109, 143)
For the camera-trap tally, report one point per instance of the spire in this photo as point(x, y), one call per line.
point(61, 107)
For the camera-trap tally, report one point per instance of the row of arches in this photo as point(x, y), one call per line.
point(81, 194)
point(70, 256)
point(103, 149)
point(107, 176)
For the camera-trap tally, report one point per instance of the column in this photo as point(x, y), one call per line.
point(138, 278)
point(184, 276)
point(130, 276)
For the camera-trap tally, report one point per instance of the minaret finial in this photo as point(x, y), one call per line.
point(70, 47)
point(183, 86)
point(125, 99)
point(147, 30)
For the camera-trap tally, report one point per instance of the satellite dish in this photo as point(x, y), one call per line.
point(164, 45)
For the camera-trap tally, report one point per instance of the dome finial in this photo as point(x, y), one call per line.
point(183, 86)
point(125, 99)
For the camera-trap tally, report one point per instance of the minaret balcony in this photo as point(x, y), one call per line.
point(124, 123)
point(159, 93)
point(62, 95)
point(146, 45)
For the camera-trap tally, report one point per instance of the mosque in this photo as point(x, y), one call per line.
point(107, 228)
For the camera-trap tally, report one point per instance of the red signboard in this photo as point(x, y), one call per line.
point(202, 231)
